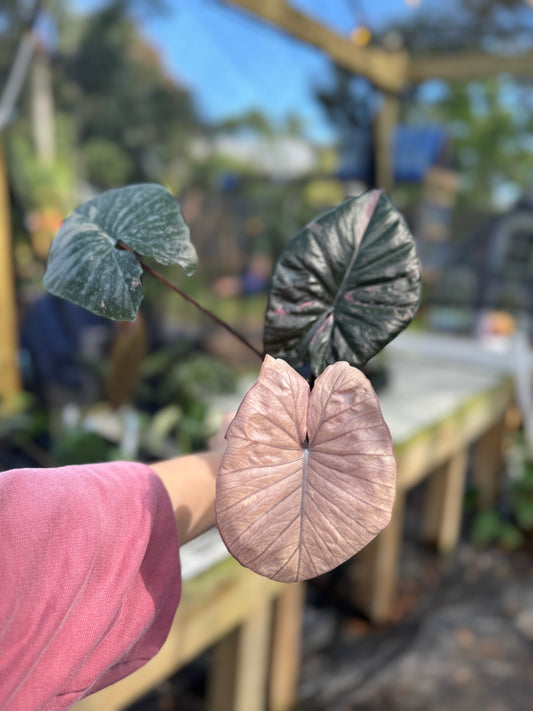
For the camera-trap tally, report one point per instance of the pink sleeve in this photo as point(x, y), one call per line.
point(89, 579)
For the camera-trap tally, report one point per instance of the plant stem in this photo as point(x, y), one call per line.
point(177, 290)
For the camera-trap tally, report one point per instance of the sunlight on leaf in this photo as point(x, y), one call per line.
point(84, 265)
point(344, 286)
point(308, 477)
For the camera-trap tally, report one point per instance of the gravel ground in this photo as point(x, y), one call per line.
point(462, 640)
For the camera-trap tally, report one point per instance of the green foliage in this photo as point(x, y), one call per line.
point(29, 430)
point(350, 103)
point(128, 120)
point(180, 388)
point(492, 527)
point(490, 124)
point(10, 26)
point(41, 185)
point(489, 121)
point(458, 25)
point(85, 265)
point(522, 497)
point(80, 446)
point(198, 377)
point(107, 165)
point(114, 83)
point(253, 120)
point(23, 423)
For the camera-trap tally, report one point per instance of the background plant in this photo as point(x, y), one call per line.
point(511, 523)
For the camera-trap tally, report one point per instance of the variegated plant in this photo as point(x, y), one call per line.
point(308, 475)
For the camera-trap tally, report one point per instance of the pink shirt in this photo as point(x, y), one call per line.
point(89, 579)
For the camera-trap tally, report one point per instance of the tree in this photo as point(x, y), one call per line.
point(490, 124)
point(252, 120)
point(349, 102)
point(125, 118)
point(117, 115)
point(490, 25)
point(114, 84)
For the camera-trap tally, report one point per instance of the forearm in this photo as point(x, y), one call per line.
point(190, 482)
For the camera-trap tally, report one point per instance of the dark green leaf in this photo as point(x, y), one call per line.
point(344, 287)
point(84, 264)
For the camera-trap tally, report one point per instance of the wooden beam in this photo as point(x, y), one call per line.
point(385, 123)
point(374, 570)
point(10, 381)
point(462, 66)
point(386, 70)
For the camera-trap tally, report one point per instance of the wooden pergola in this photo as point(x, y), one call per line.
point(390, 71)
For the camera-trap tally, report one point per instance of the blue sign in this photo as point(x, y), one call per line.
point(416, 150)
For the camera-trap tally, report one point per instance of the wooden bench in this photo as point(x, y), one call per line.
point(252, 624)
point(438, 409)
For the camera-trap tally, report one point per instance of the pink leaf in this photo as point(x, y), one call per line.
point(308, 478)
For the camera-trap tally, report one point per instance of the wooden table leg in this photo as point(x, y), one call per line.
point(238, 675)
point(375, 570)
point(443, 506)
point(487, 464)
point(286, 646)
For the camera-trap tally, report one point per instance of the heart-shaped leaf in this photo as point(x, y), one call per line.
point(307, 478)
point(344, 286)
point(84, 264)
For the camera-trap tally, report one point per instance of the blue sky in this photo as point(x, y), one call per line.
point(232, 62)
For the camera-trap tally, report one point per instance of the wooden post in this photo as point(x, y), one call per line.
point(444, 503)
point(10, 381)
point(240, 665)
point(221, 679)
point(384, 127)
point(487, 464)
point(286, 644)
point(375, 569)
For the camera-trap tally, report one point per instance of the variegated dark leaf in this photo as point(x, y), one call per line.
point(344, 286)
point(84, 264)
